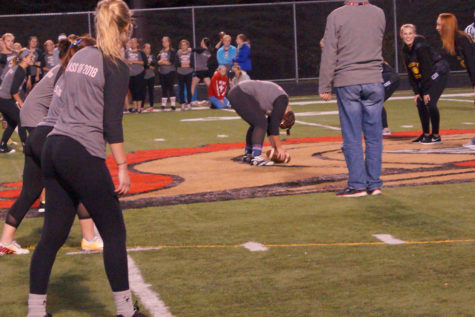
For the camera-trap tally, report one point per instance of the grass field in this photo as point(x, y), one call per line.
point(322, 258)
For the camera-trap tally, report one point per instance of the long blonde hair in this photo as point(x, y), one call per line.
point(449, 31)
point(111, 19)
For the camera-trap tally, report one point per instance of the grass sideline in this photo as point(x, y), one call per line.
point(375, 280)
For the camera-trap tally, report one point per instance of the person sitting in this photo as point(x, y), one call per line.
point(217, 89)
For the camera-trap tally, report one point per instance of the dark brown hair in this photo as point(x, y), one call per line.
point(288, 121)
point(75, 47)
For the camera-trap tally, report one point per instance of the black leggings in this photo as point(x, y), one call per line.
point(32, 177)
point(167, 81)
point(429, 114)
point(137, 86)
point(388, 92)
point(182, 81)
point(149, 84)
point(11, 114)
point(248, 108)
point(71, 175)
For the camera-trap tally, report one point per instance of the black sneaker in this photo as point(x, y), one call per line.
point(247, 158)
point(163, 108)
point(6, 150)
point(436, 140)
point(132, 110)
point(427, 140)
point(137, 312)
point(173, 108)
point(351, 192)
point(419, 139)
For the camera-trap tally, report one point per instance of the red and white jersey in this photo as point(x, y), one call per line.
point(218, 86)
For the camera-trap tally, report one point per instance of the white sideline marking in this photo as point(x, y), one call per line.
point(255, 246)
point(223, 136)
point(315, 113)
point(210, 119)
point(159, 140)
point(407, 126)
point(388, 239)
point(128, 250)
point(468, 123)
point(318, 125)
point(304, 103)
point(457, 100)
point(150, 300)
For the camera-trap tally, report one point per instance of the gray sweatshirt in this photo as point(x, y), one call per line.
point(352, 54)
point(93, 96)
point(56, 105)
point(38, 101)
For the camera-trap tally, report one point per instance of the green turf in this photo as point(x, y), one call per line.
point(369, 280)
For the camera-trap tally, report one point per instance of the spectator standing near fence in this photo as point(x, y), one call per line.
point(137, 64)
point(226, 53)
point(8, 53)
point(351, 60)
point(202, 57)
point(243, 54)
point(470, 29)
point(184, 64)
point(167, 69)
point(34, 71)
point(48, 60)
point(149, 75)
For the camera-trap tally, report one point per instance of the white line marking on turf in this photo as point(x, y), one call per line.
point(468, 123)
point(315, 113)
point(255, 246)
point(128, 250)
point(318, 125)
point(143, 291)
point(159, 140)
point(223, 136)
point(210, 119)
point(388, 239)
point(457, 100)
point(407, 126)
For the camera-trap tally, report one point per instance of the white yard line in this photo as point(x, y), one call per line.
point(388, 239)
point(317, 125)
point(150, 299)
point(255, 246)
point(457, 100)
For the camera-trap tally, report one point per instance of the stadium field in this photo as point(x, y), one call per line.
point(408, 252)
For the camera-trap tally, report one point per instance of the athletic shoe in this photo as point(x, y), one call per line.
point(149, 109)
point(42, 208)
point(137, 312)
point(139, 110)
point(12, 248)
point(260, 161)
point(470, 144)
point(428, 140)
point(173, 108)
point(183, 107)
point(188, 107)
point(96, 244)
point(351, 192)
point(247, 158)
point(195, 103)
point(375, 192)
point(386, 131)
point(6, 150)
point(132, 110)
point(419, 139)
point(163, 108)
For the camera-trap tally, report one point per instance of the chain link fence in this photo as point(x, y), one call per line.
point(284, 36)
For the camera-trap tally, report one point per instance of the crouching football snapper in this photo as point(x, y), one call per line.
point(264, 105)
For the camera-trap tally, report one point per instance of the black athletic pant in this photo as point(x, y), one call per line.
point(248, 108)
point(137, 86)
point(11, 114)
point(429, 114)
point(167, 81)
point(182, 81)
point(149, 84)
point(388, 92)
point(71, 175)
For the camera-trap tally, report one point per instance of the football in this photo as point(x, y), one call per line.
point(272, 155)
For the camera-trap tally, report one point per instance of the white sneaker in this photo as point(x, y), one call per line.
point(386, 131)
point(12, 248)
point(96, 244)
point(470, 145)
point(261, 161)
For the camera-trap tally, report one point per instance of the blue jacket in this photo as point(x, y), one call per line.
point(244, 57)
point(223, 59)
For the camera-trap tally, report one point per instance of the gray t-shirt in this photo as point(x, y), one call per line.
point(49, 61)
point(265, 92)
point(14, 78)
point(93, 95)
point(56, 105)
point(135, 69)
point(8, 63)
point(149, 73)
point(184, 59)
point(201, 58)
point(36, 105)
point(168, 56)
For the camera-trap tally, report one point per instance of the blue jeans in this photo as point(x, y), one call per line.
point(359, 108)
point(218, 104)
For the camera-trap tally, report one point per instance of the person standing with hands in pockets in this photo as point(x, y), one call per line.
point(352, 62)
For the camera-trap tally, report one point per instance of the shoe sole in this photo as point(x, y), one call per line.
point(360, 194)
point(431, 143)
point(376, 192)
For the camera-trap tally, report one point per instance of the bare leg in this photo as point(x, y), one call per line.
point(8, 234)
